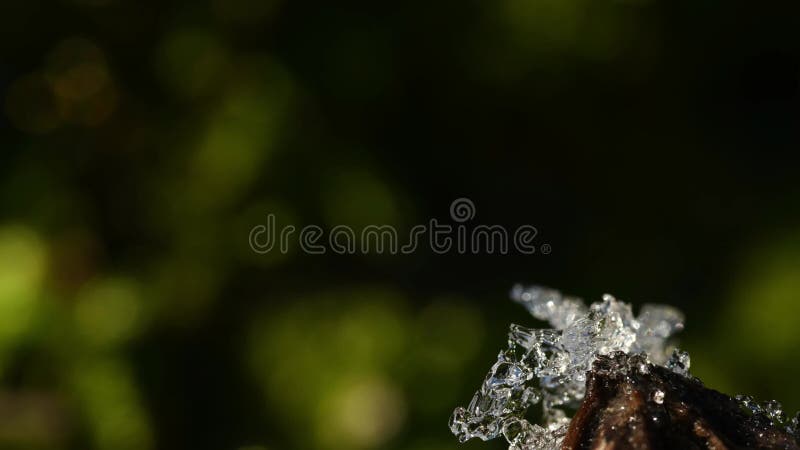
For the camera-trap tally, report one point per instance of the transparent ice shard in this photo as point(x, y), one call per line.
point(549, 366)
point(549, 305)
point(773, 411)
point(679, 362)
point(656, 324)
point(794, 426)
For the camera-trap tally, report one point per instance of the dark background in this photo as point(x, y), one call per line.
point(653, 144)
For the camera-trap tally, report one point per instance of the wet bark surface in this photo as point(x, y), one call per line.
point(631, 405)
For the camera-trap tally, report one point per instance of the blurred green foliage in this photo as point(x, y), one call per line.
point(652, 143)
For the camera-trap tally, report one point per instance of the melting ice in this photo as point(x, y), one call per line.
point(549, 366)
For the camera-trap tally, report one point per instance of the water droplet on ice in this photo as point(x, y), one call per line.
point(658, 396)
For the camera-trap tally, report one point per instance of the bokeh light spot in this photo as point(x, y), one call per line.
point(191, 62)
point(357, 197)
point(364, 414)
point(81, 80)
point(110, 401)
point(109, 311)
point(330, 344)
point(31, 105)
point(23, 261)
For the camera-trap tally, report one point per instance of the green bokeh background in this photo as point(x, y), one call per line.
point(653, 144)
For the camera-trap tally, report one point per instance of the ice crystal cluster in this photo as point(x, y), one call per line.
point(550, 365)
point(773, 411)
